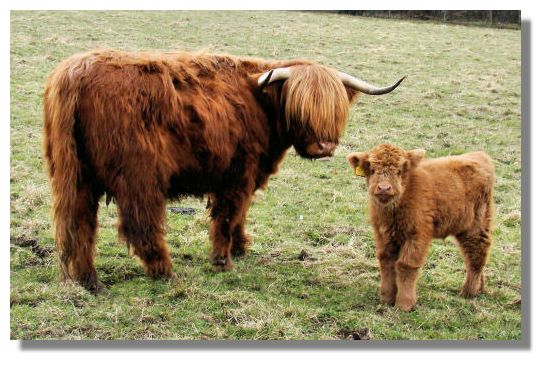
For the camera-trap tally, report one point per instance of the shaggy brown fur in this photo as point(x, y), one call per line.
point(413, 201)
point(144, 127)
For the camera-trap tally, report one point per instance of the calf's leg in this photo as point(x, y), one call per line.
point(475, 245)
point(475, 248)
point(387, 260)
point(411, 258)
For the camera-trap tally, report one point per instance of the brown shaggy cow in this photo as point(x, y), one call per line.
point(145, 127)
point(413, 201)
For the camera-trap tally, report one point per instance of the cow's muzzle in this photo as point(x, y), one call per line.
point(320, 149)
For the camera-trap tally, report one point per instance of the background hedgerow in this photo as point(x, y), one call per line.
point(462, 93)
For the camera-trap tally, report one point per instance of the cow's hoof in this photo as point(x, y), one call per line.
point(160, 270)
point(96, 288)
point(221, 263)
point(239, 250)
point(91, 283)
point(100, 289)
point(240, 246)
point(173, 277)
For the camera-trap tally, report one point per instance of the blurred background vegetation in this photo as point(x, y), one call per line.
point(496, 18)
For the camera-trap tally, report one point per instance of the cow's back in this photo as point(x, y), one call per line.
point(182, 116)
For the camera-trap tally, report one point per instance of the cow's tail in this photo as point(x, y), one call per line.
point(60, 150)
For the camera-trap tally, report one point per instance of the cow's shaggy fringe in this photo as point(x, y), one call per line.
point(315, 96)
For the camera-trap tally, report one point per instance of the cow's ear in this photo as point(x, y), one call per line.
point(415, 157)
point(352, 94)
point(359, 161)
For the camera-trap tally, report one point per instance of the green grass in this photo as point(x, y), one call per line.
point(462, 94)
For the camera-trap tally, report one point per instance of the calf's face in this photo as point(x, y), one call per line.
point(386, 169)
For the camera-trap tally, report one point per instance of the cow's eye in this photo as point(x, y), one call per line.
point(372, 171)
point(399, 172)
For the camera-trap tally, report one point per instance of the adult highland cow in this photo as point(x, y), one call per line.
point(144, 128)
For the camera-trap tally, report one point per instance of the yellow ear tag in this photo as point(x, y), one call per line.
point(359, 171)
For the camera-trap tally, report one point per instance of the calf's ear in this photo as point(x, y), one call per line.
point(359, 161)
point(353, 158)
point(415, 156)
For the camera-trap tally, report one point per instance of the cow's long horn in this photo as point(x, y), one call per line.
point(274, 75)
point(364, 87)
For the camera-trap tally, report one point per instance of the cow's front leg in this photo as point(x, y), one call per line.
point(227, 213)
point(240, 240)
point(220, 236)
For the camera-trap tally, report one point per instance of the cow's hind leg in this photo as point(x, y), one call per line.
point(75, 233)
point(141, 226)
point(475, 247)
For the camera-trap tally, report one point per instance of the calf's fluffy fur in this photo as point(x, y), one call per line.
point(413, 200)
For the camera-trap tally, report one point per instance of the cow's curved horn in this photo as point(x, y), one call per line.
point(364, 87)
point(274, 75)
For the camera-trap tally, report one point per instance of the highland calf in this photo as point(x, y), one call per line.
point(413, 201)
point(146, 127)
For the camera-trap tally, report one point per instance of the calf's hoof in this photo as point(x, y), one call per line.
point(473, 288)
point(388, 299)
point(468, 293)
point(406, 304)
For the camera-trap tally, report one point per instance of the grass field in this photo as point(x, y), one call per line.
point(462, 93)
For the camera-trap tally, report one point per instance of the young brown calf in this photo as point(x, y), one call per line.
point(413, 201)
